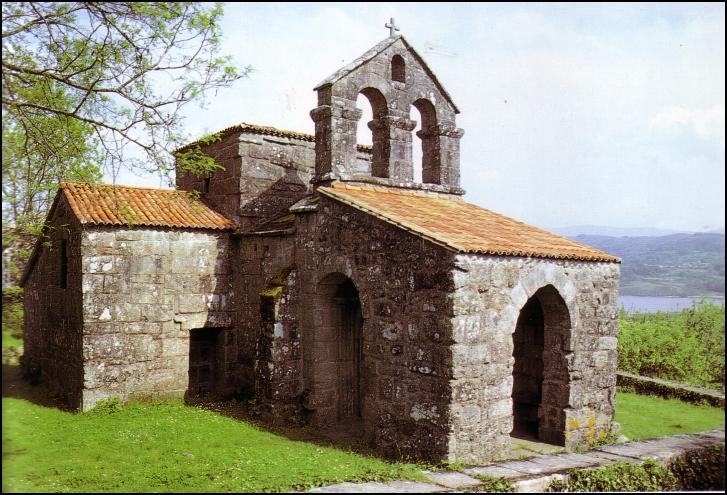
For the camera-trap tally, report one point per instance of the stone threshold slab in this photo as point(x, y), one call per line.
point(536, 473)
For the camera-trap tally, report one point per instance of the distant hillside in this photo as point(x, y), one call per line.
point(671, 265)
point(575, 230)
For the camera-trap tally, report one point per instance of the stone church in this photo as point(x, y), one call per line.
point(318, 277)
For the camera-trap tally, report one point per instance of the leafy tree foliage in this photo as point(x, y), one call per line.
point(93, 86)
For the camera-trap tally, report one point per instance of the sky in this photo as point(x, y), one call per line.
point(574, 114)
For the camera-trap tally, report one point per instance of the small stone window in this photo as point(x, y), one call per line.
point(398, 69)
point(206, 184)
point(63, 282)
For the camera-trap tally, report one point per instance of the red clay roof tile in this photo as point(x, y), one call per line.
point(459, 225)
point(104, 204)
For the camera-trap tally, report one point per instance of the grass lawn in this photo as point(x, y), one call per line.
point(646, 416)
point(169, 446)
point(166, 447)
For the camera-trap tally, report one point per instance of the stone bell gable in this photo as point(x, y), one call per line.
point(393, 77)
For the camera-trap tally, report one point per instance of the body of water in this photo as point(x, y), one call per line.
point(649, 304)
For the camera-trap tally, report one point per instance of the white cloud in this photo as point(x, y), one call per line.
point(705, 123)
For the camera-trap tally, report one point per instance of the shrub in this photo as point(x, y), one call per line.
point(700, 469)
point(621, 476)
point(687, 347)
point(13, 311)
point(638, 385)
point(107, 406)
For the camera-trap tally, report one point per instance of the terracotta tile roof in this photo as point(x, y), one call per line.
point(264, 130)
point(460, 226)
point(103, 204)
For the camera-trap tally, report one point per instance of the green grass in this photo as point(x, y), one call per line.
point(166, 447)
point(8, 339)
point(646, 416)
point(169, 446)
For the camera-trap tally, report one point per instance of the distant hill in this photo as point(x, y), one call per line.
point(671, 265)
point(575, 230)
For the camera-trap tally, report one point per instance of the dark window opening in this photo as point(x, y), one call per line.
point(204, 355)
point(267, 309)
point(206, 185)
point(398, 69)
point(64, 264)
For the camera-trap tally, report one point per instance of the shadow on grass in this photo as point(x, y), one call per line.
point(346, 436)
point(343, 437)
point(14, 386)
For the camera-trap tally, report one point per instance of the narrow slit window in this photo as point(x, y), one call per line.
point(206, 186)
point(64, 264)
point(398, 69)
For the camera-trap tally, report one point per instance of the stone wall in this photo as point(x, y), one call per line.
point(403, 284)
point(269, 332)
point(144, 289)
point(263, 175)
point(581, 299)
point(53, 316)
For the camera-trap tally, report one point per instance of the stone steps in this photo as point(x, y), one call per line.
point(536, 473)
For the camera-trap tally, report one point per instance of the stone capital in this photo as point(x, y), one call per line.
point(376, 124)
point(351, 113)
point(447, 130)
point(321, 113)
point(399, 122)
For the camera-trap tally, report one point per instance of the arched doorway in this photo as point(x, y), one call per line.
point(336, 355)
point(541, 384)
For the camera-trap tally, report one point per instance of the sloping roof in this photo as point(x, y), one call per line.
point(265, 130)
point(375, 50)
point(460, 226)
point(103, 204)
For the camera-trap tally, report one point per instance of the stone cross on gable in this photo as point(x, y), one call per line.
point(392, 27)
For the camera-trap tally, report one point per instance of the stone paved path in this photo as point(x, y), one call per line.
point(534, 474)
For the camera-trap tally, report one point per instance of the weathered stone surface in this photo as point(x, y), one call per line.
point(376, 487)
point(129, 359)
point(496, 471)
point(452, 479)
point(497, 289)
point(528, 478)
point(336, 120)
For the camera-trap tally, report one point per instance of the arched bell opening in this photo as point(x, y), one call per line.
point(373, 105)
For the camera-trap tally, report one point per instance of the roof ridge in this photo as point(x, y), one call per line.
point(63, 184)
point(267, 130)
point(384, 188)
